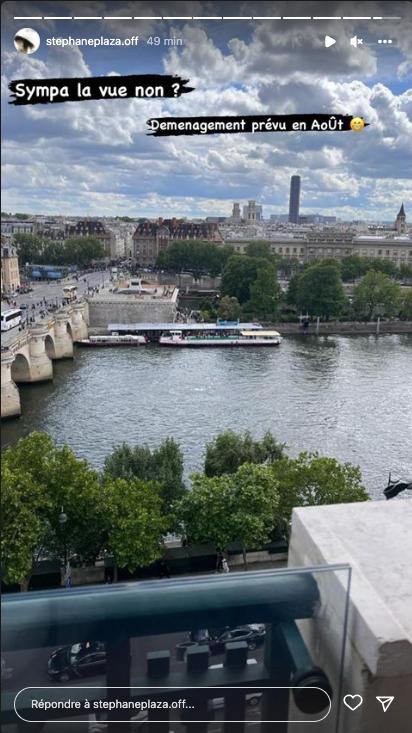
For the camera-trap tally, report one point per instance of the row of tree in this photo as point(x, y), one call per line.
point(246, 493)
point(193, 256)
point(318, 290)
point(80, 251)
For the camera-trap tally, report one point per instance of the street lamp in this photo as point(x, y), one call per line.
point(62, 522)
point(396, 487)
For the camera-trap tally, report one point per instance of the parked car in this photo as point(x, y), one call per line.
point(80, 660)
point(23, 306)
point(253, 634)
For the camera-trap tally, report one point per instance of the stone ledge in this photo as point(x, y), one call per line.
point(375, 539)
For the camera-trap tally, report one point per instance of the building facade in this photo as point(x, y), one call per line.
point(150, 237)
point(10, 276)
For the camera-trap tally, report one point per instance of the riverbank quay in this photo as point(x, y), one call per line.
point(335, 328)
point(187, 561)
point(324, 329)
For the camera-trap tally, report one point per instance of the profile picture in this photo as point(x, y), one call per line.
point(27, 40)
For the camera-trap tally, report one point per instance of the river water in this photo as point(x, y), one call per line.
point(344, 396)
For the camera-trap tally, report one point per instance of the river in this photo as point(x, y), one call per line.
point(344, 396)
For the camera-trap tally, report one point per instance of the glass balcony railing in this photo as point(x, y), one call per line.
point(211, 653)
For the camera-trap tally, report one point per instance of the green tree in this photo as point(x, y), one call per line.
point(234, 507)
point(292, 291)
point(265, 293)
point(134, 521)
point(312, 480)
point(406, 306)
point(40, 479)
point(21, 216)
point(82, 251)
point(376, 293)
point(238, 275)
point(163, 465)
point(386, 266)
point(229, 450)
point(30, 248)
point(261, 249)
point(404, 272)
point(354, 267)
point(229, 309)
point(320, 291)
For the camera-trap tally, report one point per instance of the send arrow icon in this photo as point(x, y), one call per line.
point(385, 702)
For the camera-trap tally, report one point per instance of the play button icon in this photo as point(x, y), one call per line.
point(329, 41)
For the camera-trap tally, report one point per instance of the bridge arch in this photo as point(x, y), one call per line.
point(20, 369)
point(69, 330)
point(50, 347)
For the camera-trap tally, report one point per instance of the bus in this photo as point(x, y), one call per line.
point(69, 293)
point(10, 319)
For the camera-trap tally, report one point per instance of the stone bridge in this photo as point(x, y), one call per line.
point(29, 357)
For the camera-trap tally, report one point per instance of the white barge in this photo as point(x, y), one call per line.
point(114, 340)
point(217, 337)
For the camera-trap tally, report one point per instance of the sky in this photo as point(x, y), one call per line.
point(94, 158)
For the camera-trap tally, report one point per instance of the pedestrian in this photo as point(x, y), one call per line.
point(225, 566)
point(219, 561)
point(164, 571)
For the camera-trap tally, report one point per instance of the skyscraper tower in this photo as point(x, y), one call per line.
point(400, 224)
point(294, 199)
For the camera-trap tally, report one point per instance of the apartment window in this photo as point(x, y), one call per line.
point(287, 250)
point(388, 252)
point(311, 251)
point(302, 250)
point(338, 251)
point(280, 250)
point(294, 250)
point(379, 251)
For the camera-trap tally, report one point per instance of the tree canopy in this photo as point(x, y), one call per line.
point(229, 309)
point(195, 256)
point(377, 294)
point(80, 251)
point(233, 507)
point(229, 450)
point(163, 465)
point(320, 291)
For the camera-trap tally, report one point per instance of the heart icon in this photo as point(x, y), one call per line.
point(352, 701)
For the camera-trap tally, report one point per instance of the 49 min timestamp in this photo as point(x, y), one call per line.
point(156, 41)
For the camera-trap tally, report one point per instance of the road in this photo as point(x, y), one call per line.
point(46, 295)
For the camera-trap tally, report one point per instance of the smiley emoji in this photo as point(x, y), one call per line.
point(357, 124)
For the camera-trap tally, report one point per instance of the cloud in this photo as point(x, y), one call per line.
point(95, 157)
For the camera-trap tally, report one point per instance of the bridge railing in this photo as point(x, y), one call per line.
point(274, 664)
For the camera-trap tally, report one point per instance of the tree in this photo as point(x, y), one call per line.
point(239, 274)
point(292, 291)
point(234, 507)
point(404, 272)
point(313, 480)
point(354, 267)
point(40, 479)
point(82, 251)
point(376, 293)
point(320, 291)
point(229, 309)
point(229, 450)
point(163, 465)
point(406, 307)
point(265, 293)
point(261, 249)
point(30, 248)
point(134, 521)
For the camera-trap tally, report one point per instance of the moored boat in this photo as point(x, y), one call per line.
point(221, 338)
point(114, 340)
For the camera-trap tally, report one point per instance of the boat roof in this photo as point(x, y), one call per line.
point(260, 333)
point(182, 327)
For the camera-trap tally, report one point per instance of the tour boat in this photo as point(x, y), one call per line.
point(114, 340)
point(220, 338)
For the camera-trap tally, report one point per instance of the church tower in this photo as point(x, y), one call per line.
point(400, 223)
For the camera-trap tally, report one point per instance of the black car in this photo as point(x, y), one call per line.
point(79, 660)
point(253, 634)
